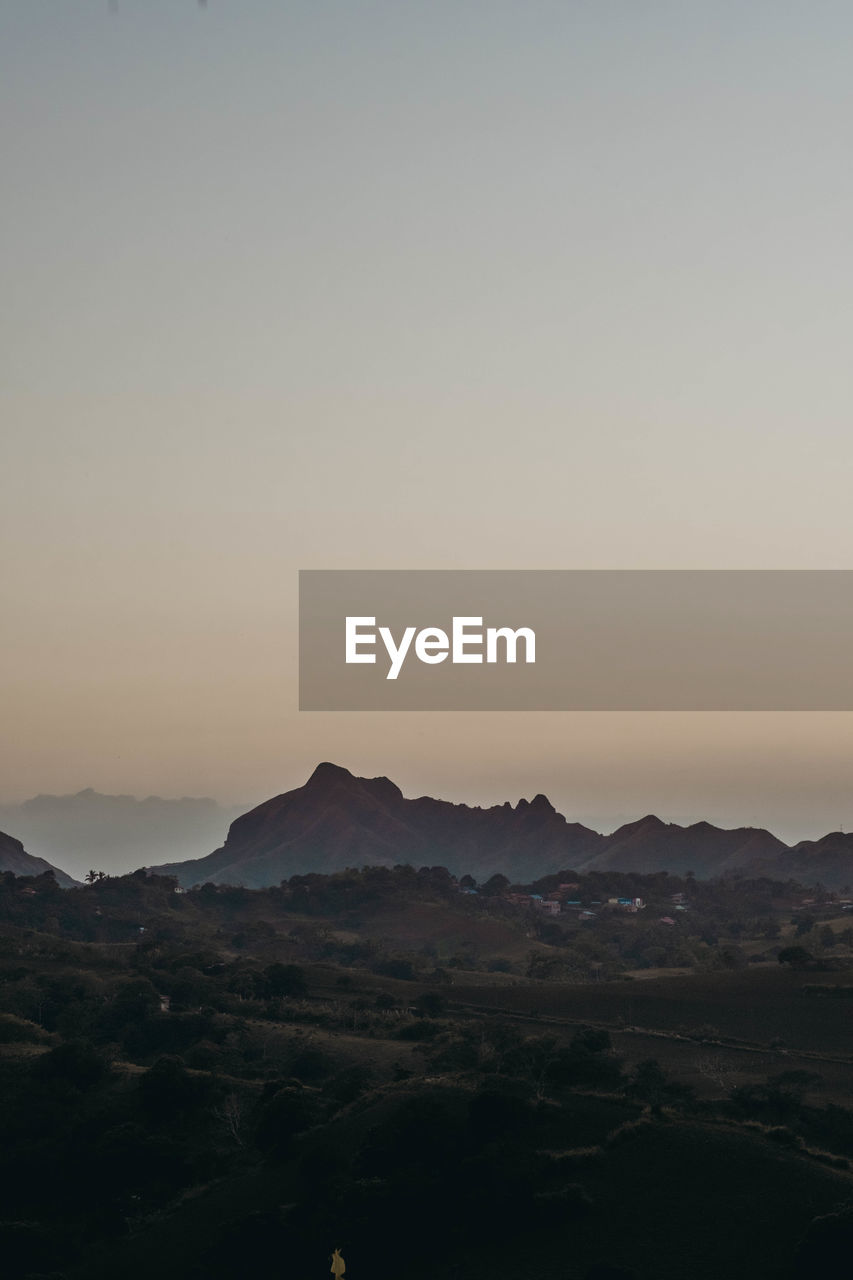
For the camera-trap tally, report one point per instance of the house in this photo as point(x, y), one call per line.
point(549, 905)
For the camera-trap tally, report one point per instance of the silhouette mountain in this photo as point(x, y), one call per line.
point(650, 845)
point(14, 858)
point(337, 820)
point(827, 861)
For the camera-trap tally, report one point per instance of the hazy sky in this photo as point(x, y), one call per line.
point(349, 284)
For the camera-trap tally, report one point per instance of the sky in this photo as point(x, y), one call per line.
point(348, 284)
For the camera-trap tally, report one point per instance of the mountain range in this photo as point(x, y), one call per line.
point(337, 820)
point(116, 832)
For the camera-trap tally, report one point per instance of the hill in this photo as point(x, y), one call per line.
point(203, 1084)
point(14, 858)
point(828, 860)
point(651, 845)
point(337, 820)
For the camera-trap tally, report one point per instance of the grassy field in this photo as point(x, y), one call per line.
point(766, 1007)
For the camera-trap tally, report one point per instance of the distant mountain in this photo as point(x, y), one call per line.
point(14, 858)
point(652, 845)
point(337, 820)
point(828, 861)
point(115, 833)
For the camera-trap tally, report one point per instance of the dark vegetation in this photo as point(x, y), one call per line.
point(227, 1083)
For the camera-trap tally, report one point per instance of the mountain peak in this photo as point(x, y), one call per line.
point(326, 773)
point(651, 822)
point(542, 804)
point(328, 776)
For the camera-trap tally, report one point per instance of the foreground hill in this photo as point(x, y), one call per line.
point(14, 858)
point(195, 1089)
point(337, 820)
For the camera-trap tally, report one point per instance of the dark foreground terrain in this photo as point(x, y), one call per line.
point(229, 1083)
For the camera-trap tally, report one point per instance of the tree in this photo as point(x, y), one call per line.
point(650, 1084)
point(827, 937)
point(167, 1090)
point(796, 957)
point(73, 1063)
point(789, 1087)
point(286, 980)
point(432, 1004)
point(229, 1113)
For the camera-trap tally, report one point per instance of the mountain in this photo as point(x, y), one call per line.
point(115, 833)
point(828, 861)
point(337, 820)
point(14, 858)
point(650, 845)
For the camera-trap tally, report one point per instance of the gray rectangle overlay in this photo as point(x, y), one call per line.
point(605, 640)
